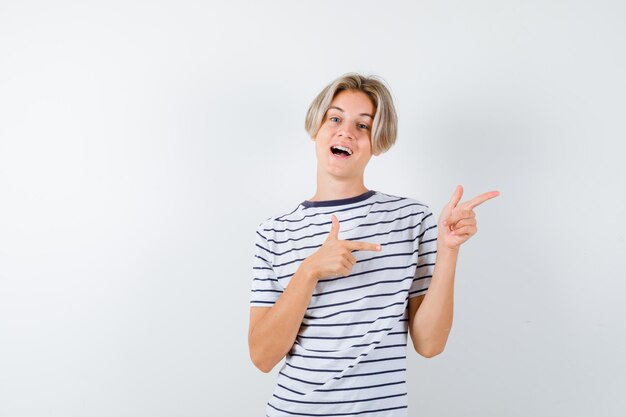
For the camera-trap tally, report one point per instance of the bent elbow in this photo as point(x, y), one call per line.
point(263, 367)
point(429, 348)
point(430, 353)
point(261, 364)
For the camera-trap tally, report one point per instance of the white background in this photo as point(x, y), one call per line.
point(141, 143)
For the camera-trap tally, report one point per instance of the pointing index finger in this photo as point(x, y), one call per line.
point(355, 245)
point(482, 198)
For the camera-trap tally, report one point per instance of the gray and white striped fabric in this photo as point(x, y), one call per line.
point(349, 357)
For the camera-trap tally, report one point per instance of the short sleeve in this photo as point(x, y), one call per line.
point(265, 286)
point(426, 254)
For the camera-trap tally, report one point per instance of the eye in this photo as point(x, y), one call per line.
point(363, 126)
point(334, 117)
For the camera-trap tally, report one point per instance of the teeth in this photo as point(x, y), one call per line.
point(343, 148)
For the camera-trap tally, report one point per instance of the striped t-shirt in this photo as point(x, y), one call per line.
point(349, 358)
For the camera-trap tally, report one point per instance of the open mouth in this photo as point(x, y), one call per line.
point(341, 151)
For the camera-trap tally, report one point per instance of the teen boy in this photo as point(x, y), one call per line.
point(340, 280)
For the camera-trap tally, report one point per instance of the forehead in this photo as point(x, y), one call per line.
point(353, 101)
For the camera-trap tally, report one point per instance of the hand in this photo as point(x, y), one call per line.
point(457, 222)
point(334, 258)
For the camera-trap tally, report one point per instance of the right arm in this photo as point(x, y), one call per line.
point(273, 330)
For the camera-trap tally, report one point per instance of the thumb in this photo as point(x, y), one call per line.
point(334, 229)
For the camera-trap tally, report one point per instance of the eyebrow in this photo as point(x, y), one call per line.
point(341, 110)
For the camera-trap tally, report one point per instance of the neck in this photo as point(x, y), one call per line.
point(333, 188)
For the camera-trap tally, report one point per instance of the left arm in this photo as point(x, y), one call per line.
point(430, 315)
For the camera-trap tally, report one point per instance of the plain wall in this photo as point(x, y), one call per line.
point(141, 143)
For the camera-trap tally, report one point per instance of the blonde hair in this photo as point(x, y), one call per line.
point(385, 126)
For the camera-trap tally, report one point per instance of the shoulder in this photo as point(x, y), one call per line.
point(279, 222)
point(408, 204)
point(415, 212)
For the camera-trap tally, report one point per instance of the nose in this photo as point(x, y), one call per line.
point(346, 132)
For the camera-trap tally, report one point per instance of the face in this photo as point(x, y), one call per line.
point(343, 143)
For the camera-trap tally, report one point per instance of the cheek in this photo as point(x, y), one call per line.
point(320, 145)
point(367, 143)
point(323, 133)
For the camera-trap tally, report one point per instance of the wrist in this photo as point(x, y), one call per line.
point(446, 250)
point(308, 272)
